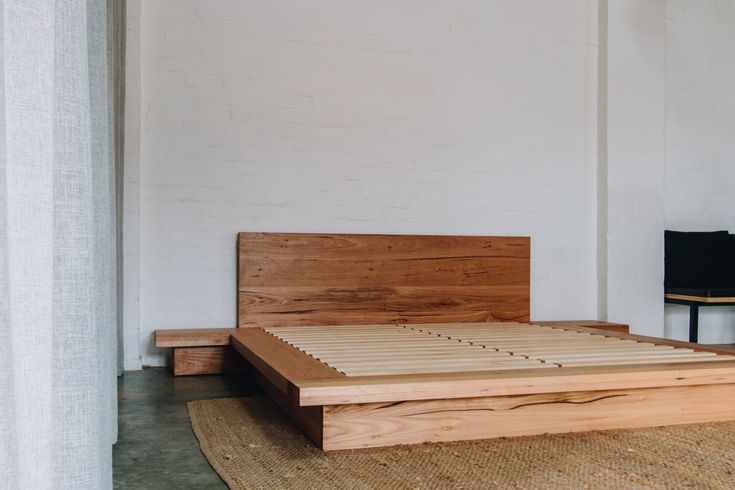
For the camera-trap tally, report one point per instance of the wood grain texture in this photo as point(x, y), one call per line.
point(414, 422)
point(310, 279)
point(193, 337)
point(700, 299)
point(280, 363)
point(276, 306)
point(221, 359)
point(600, 325)
point(367, 389)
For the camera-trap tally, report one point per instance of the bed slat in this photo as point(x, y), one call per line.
point(440, 348)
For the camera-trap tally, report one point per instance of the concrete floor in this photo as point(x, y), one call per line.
point(156, 447)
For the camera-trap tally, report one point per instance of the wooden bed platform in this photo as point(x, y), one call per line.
point(378, 340)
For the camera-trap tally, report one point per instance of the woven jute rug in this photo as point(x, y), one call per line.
point(252, 444)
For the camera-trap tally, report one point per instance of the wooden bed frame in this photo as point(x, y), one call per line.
point(378, 340)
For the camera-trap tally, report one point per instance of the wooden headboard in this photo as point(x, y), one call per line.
point(327, 279)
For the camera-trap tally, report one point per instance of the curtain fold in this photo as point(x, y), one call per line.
point(58, 299)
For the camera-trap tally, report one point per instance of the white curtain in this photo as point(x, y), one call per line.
point(57, 247)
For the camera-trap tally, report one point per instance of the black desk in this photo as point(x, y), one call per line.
point(694, 298)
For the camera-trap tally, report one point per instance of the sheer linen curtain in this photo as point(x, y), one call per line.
point(58, 417)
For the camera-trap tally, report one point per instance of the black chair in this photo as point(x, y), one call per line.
point(699, 271)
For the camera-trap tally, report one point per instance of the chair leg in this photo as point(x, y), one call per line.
point(693, 323)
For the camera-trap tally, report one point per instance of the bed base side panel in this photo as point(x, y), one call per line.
point(414, 422)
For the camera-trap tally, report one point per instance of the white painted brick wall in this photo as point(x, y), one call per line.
point(388, 116)
point(700, 137)
point(131, 194)
point(635, 164)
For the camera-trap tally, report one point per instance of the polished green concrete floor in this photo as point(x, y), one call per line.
point(156, 447)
